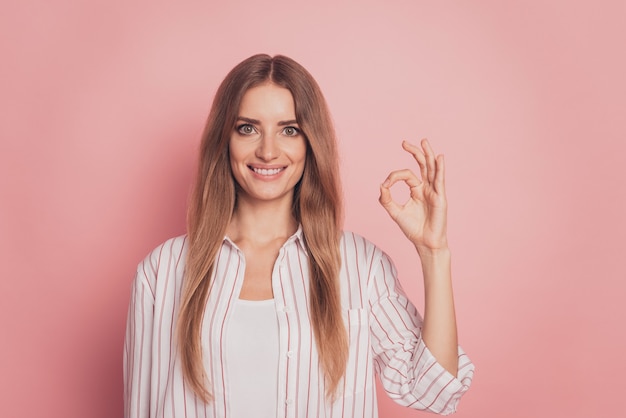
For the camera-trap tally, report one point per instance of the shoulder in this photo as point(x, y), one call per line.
point(352, 240)
point(161, 271)
point(170, 253)
point(358, 249)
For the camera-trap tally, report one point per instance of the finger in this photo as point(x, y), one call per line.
point(418, 155)
point(440, 176)
point(387, 202)
point(405, 175)
point(430, 160)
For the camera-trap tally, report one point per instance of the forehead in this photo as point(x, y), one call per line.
point(267, 102)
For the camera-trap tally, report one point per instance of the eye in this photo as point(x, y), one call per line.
point(291, 131)
point(246, 129)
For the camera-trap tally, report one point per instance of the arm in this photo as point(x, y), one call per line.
point(137, 348)
point(423, 219)
point(408, 371)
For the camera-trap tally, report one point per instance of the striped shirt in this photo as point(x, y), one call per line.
point(383, 331)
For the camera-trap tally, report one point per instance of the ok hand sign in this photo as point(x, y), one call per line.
point(423, 217)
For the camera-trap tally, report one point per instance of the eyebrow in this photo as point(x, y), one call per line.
point(258, 122)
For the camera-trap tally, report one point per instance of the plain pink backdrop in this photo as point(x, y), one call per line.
point(101, 108)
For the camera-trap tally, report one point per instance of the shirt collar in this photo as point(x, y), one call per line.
point(297, 238)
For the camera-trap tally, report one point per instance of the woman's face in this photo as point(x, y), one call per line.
point(267, 148)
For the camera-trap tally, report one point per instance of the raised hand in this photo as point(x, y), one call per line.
point(423, 220)
point(423, 217)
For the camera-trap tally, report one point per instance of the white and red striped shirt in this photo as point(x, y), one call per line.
point(383, 330)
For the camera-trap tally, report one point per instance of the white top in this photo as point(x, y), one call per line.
point(384, 334)
point(252, 358)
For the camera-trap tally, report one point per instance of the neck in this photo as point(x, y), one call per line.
point(262, 222)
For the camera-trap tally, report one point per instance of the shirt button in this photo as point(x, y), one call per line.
point(285, 309)
point(289, 353)
point(289, 401)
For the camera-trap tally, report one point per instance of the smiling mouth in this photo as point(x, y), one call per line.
point(267, 171)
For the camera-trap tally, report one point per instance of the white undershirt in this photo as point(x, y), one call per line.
point(252, 358)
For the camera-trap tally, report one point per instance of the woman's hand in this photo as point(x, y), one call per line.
point(423, 217)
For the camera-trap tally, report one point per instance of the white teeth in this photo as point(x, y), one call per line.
point(266, 171)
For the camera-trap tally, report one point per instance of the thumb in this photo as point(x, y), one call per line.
point(387, 202)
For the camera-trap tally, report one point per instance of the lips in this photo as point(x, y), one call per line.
point(267, 171)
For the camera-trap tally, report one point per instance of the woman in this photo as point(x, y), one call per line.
point(266, 308)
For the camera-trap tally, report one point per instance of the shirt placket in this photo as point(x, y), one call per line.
point(287, 331)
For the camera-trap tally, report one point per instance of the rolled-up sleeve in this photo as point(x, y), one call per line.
point(409, 373)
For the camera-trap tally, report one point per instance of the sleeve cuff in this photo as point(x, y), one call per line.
point(427, 385)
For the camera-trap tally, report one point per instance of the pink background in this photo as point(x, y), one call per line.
point(101, 108)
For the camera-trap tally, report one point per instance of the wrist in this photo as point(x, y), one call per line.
point(436, 263)
point(433, 253)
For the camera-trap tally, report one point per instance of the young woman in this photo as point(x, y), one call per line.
point(266, 308)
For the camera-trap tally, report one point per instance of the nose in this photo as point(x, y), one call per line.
point(268, 148)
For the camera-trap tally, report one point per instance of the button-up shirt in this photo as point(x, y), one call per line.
point(383, 327)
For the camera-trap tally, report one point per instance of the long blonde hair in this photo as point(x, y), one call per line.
point(317, 206)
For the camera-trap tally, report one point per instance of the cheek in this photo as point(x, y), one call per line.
point(235, 154)
point(299, 151)
point(235, 163)
point(302, 160)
